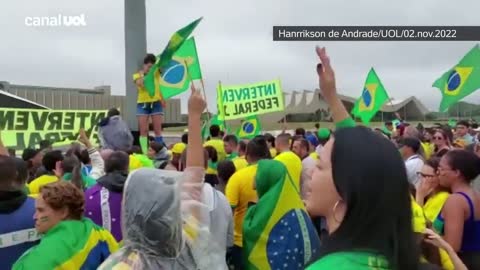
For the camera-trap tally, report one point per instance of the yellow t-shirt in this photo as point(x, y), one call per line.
point(418, 217)
point(314, 156)
point(293, 164)
point(240, 163)
point(433, 206)
point(273, 152)
point(218, 145)
point(143, 96)
point(36, 184)
point(428, 149)
point(431, 210)
point(240, 192)
point(134, 163)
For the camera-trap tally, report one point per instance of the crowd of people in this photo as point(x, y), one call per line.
point(398, 197)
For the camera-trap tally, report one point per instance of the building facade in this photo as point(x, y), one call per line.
point(58, 98)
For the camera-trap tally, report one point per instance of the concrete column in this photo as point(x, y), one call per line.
point(135, 51)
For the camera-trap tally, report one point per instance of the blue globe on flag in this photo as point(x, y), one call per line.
point(366, 97)
point(174, 72)
point(248, 127)
point(453, 81)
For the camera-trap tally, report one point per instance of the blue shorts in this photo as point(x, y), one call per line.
point(149, 108)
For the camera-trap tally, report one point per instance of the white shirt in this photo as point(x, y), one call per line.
point(413, 164)
point(308, 165)
point(221, 223)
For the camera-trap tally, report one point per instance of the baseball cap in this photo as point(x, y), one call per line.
point(323, 133)
point(460, 143)
point(178, 148)
point(410, 142)
point(312, 139)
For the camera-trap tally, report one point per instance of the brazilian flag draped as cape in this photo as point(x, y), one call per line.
point(71, 244)
point(277, 231)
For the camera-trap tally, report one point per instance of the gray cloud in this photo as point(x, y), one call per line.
point(235, 43)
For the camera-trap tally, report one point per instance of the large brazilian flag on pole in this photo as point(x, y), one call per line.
point(374, 95)
point(461, 80)
point(151, 80)
point(181, 71)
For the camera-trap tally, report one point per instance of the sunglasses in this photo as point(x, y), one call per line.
point(437, 138)
point(425, 175)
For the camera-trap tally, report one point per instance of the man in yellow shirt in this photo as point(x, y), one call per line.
point(49, 162)
point(288, 158)
point(230, 144)
point(148, 106)
point(216, 142)
point(240, 193)
point(240, 162)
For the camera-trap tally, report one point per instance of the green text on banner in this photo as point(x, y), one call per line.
point(240, 101)
point(25, 128)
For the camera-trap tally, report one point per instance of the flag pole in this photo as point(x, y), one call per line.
point(284, 110)
point(201, 80)
point(221, 108)
point(193, 86)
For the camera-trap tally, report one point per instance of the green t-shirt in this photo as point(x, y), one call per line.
point(232, 156)
point(87, 180)
point(350, 261)
point(345, 123)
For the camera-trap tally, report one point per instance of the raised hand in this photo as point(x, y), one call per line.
point(83, 138)
point(329, 88)
point(58, 171)
point(326, 74)
point(426, 187)
point(196, 103)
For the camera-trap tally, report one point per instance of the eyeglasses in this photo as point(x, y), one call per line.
point(441, 169)
point(425, 175)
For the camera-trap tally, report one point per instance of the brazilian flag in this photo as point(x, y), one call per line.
point(372, 99)
point(277, 231)
point(249, 128)
point(152, 79)
point(181, 70)
point(461, 80)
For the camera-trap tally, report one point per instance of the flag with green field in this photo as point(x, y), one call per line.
point(372, 99)
point(181, 71)
point(249, 128)
point(151, 80)
point(71, 244)
point(461, 80)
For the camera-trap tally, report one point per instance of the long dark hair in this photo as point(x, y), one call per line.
point(372, 181)
point(72, 165)
point(467, 163)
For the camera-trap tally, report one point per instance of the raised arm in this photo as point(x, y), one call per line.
point(98, 164)
point(328, 88)
point(195, 167)
point(436, 240)
point(196, 105)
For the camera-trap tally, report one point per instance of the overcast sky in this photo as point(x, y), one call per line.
point(235, 43)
